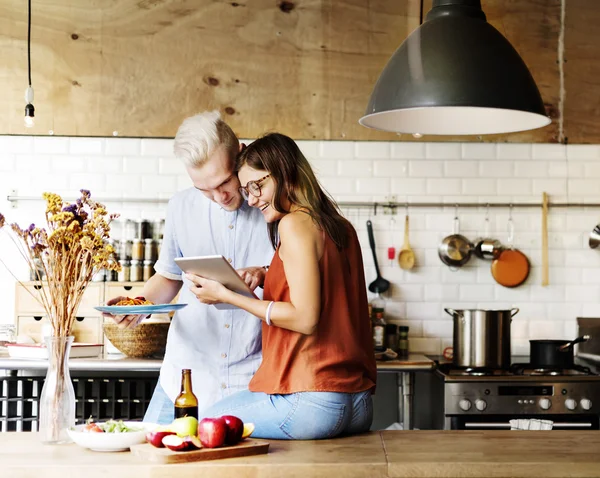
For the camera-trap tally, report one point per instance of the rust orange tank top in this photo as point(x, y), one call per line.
point(338, 356)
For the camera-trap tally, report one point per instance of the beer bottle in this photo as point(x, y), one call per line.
point(186, 403)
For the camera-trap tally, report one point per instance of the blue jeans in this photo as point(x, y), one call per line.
point(299, 416)
point(160, 409)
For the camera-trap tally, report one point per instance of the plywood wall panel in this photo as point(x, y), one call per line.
point(582, 72)
point(306, 68)
point(139, 67)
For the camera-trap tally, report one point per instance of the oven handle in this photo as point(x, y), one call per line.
point(507, 425)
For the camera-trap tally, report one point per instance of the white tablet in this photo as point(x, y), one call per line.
point(219, 269)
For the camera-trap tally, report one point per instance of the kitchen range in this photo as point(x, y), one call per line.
point(481, 389)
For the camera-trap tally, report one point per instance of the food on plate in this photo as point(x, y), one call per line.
point(212, 432)
point(176, 443)
point(235, 429)
point(186, 434)
point(194, 442)
point(134, 301)
point(91, 427)
point(110, 426)
point(248, 430)
point(155, 437)
point(184, 426)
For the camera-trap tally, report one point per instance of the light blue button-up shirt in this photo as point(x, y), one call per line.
point(221, 347)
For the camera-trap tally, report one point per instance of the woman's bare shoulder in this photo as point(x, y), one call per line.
point(297, 224)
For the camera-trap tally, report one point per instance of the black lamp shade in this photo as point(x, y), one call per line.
point(455, 75)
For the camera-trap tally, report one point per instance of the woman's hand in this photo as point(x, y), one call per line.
point(253, 276)
point(207, 291)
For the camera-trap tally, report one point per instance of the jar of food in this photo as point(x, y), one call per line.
point(402, 341)
point(148, 270)
point(391, 339)
point(125, 274)
point(136, 272)
point(126, 250)
point(149, 250)
point(137, 250)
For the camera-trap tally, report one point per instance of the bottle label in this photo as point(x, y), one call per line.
point(377, 313)
point(378, 335)
point(186, 412)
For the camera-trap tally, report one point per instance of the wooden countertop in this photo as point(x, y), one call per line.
point(117, 362)
point(372, 455)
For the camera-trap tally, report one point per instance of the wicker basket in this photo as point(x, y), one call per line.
point(145, 340)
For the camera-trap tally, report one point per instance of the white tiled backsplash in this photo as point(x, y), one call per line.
point(370, 171)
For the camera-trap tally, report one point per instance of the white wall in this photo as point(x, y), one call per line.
point(367, 171)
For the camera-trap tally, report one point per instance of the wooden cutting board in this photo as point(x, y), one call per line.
point(246, 447)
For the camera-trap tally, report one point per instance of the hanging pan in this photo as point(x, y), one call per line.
point(511, 267)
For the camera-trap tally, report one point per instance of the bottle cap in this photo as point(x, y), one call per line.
point(403, 328)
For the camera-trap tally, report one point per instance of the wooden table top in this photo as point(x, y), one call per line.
point(378, 454)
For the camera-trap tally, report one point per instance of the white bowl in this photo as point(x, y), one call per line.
point(110, 441)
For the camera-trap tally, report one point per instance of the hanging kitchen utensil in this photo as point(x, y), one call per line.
point(379, 284)
point(512, 267)
point(455, 250)
point(595, 237)
point(486, 247)
point(406, 256)
point(392, 249)
point(545, 279)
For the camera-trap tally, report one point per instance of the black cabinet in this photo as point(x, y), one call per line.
point(123, 397)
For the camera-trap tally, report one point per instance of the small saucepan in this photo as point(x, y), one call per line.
point(553, 353)
point(455, 250)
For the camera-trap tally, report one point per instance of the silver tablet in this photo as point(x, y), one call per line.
point(216, 268)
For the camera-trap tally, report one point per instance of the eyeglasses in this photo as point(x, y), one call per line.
point(253, 187)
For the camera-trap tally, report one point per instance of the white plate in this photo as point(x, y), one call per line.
point(110, 441)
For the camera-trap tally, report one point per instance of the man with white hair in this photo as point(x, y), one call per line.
point(221, 347)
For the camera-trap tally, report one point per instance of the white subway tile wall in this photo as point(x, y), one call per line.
point(369, 171)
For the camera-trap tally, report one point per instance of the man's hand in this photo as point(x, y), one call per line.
point(207, 291)
point(124, 321)
point(253, 276)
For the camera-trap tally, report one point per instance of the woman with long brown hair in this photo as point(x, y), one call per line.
point(318, 370)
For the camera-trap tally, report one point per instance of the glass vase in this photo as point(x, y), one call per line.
point(57, 402)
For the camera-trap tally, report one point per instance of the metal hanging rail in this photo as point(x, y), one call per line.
point(14, 199)
point(395, 205)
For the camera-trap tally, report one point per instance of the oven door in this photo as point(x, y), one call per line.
point(502, 422)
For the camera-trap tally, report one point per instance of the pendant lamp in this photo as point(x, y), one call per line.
point(455, 75)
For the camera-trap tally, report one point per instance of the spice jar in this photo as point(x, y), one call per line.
point(149, 250)
point(136, 273)
point(402, 341)
point(391, 339)
point(148, 270)
point(126, 250)
point(137, 250)
point(125, 273)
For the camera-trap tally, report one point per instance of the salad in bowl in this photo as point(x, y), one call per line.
point(112, 435)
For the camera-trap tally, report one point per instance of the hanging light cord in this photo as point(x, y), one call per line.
point(29, 41)
point(420, 14)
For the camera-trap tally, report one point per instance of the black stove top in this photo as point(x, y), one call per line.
point(515, 370)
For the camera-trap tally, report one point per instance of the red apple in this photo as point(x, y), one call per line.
point(212, 432)
point(155, 437)
point(193, 442)
point(235, 428)
point(176, 443)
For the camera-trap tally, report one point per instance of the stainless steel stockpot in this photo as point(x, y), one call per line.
point(481, 337)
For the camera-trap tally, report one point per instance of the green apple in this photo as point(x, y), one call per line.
point(184, 426)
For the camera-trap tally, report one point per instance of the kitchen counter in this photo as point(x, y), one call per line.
point(404, 370)
point(117, 362)
point(377, 454)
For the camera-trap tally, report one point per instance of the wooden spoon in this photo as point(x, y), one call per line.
point(406, 256)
